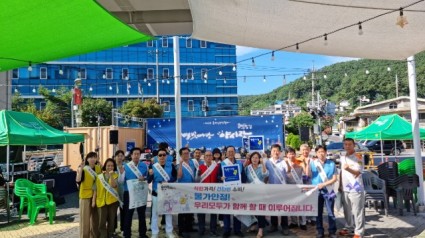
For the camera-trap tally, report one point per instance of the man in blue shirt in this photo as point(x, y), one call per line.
point(323, 174)
point(277, 168)
point(128, 175)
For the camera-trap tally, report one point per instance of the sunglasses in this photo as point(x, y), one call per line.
point(161, 155)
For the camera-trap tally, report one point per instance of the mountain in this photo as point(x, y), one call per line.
point(345, 81)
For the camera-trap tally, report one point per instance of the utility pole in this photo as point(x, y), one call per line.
point(396, 85)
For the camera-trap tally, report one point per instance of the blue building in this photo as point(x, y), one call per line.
point(208, 76)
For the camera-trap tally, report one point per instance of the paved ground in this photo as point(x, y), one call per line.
point(66, 225)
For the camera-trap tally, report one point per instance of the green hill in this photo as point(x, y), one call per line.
point(345, 81)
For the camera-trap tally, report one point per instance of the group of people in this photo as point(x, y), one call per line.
point(104, 190)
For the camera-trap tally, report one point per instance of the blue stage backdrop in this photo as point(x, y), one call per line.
point(212, 132)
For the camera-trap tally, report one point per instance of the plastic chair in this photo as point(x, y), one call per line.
point(407, 184)
point(4, 201)
point(375, 190)
point(34, 197)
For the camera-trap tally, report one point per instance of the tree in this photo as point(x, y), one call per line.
point(293, 141)
point(146, 109)
point(92, 108)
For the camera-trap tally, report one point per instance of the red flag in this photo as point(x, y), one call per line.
point(78, 96)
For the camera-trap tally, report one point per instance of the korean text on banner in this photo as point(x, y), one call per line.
point(246, 199)
point(138, 193)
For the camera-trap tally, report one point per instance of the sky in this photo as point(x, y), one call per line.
point(292, 65)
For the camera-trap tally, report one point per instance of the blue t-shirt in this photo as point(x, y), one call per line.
point(143, 168)
point(328, 166)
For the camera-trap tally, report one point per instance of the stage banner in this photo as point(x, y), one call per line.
point(138, 193)
point(245, 199)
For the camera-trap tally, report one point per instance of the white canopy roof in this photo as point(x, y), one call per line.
point(273, 24)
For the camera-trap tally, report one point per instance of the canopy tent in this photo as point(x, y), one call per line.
point(273, 24)
point(40, 31)
point(19, 128)
point(387, 127)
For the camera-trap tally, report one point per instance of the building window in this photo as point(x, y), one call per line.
point(204, 105)
point(204, 73)
point(43, 73)
point(149, 43)
point(150, 74)
point(189, 73)
point(203, 44)
point(166, 105)
point(108, 73)
point(15, 74)
point(190, 106)
point(164, 42)
point(83, 73)
point(188, 43)
point(393, 105)
point(124, 74)
point(165, 73)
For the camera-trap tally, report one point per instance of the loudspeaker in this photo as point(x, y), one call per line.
point(113, 137)
point(304, 133)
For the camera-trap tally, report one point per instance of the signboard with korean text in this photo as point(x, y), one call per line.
point(256, 143)
point(212, 132)
point(245, 199)
point(232, 175)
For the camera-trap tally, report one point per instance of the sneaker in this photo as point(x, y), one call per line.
point(226, 234)
point(154, 236)
point(213, 234)
point(303, 227)
point(357, 236)
point(333, 236)
point(345, 232)
point(292, 225)
point(239, 233)
point(285, 231)
point(221, 223)
point(170, 235)
point(320, 236)
point(273, 229)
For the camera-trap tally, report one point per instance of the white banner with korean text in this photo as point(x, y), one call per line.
point(245, 199)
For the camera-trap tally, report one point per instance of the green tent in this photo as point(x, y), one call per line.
point(386, 127)
point(19, 128)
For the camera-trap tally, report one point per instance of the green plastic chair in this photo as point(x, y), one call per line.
point(34, 197)
point(407, 166)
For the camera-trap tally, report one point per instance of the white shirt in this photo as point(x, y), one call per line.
point(349, 182)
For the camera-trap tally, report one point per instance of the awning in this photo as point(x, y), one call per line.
point(273, 24)
point(40, 31)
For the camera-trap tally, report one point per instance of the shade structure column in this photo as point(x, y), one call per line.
point(415, 126)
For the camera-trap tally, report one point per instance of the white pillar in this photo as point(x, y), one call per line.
point(415, 125)
point(177, 97)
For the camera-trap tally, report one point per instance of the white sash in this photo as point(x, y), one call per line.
point(227, 162)
point(90, 171)
point(208, 172)
point(109, 188)
point(162, 172)
point(134, 169)
point(254, 176)
point(323, 175)
point(196, 163)
point(188, 169)
point(277, 172)
point(294, 174)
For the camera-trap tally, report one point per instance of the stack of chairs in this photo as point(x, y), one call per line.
point(388, 171)
point(406, 186)
point(375, 190)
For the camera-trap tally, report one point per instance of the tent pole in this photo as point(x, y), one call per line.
point(382, 152)
point(415, 126)
point(7, 178)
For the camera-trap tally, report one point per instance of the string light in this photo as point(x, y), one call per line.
point(253, 62)
point(193, 77)
point(149, 84)
point(30, 67)
point(53, 90)
point(33, 90)
point(234, 68)
point(367, 71)
point(360, 29)
point(264, 79)
point(168, 81)
point(104, 76)
point(225, 81)
point(220, 73)
point(305, 77)
point(145, 80)
point(326, 39)
point(110, 87)
point(401, 20)
point(325, 77)
point(205, 81)
point(346, 75)
point(60, 70)
point(272, 56)
point(389, 69)
point(163, 81)
point(205, 75)
point(90, 89)
point(16, 90)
